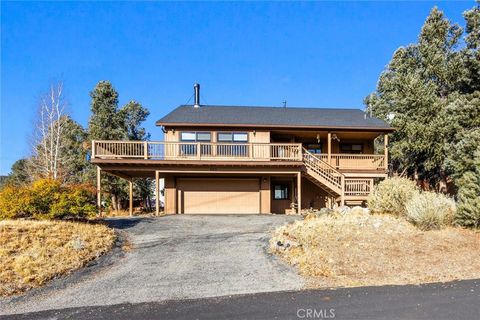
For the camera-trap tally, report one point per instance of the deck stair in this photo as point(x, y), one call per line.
point(323, 175)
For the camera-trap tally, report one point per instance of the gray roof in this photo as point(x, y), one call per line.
point(271, 117)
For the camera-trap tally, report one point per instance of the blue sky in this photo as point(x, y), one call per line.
point(323, 54)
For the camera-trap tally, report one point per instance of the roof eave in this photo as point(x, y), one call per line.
point(223, 125)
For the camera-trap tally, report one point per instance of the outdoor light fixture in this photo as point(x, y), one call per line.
point(335, 137)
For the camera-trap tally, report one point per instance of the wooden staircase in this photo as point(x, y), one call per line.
point(333, 182)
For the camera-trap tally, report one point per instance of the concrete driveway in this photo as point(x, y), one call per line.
point(173, 257)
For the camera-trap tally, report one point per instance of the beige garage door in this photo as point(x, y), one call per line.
point(218, 196)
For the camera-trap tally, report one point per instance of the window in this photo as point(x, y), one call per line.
point(188, 136)
point(315, 148)
point(195, 136)
point(229, 139)
point(241, 137)
point(191, 149)
point(280, 192)
point(351, 148)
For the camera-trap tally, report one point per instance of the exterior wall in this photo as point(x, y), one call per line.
point(254, 136)
point(170, 195)
point(313, 196)
point(259, 137)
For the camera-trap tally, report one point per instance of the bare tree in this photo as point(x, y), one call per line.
point(47, 157)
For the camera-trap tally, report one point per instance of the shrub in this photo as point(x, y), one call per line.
point(13, 202)
point(468, 213)
point(47, 199)
point(429, 210)
point(43, 194)
point(75, 201)
point(391, 195)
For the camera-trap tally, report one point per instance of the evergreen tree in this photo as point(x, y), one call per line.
point(20, 173)
point(109, 122)
point(419, 93)
point(74, 146)
point(468, 211)
point(105, 123)
point(133, 114)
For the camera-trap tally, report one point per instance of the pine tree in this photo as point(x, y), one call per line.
point(422, 89)
point(109, 122)
point(105, 123)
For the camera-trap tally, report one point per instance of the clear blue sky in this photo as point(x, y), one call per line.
point(311, 54)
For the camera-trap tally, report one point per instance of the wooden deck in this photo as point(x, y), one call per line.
point(242, 153)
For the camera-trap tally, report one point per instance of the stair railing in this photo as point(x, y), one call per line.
point(326, 172)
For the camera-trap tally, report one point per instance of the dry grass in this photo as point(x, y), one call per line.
point(33, 252)
point(363, 249)
point(126, 213)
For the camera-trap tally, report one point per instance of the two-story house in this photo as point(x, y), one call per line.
point(239, 159)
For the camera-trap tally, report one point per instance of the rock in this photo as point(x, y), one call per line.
point(343, 210)
point(324, 211)
point(360, 210)
point(286, 244)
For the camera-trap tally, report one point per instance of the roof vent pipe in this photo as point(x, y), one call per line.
point(196, 89)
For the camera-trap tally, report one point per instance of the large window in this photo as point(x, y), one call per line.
point(232, 137)
point(232, 144)
point(188, 149)
point(315, 148)
point(280, 192)
point(351, 148)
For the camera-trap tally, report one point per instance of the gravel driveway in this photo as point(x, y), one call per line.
point(174, 257)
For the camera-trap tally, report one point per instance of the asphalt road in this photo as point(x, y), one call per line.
point(453, 301)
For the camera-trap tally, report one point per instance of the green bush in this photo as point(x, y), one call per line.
point(391, 195)
point(47, 199)
point(468, 213)
point(429, 210)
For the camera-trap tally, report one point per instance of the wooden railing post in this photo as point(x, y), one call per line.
point(199, 154)
point(299, 192)
point(385, 142)
point(329, 146)
point(342, 196)
point(145, 150)
point(93, 149)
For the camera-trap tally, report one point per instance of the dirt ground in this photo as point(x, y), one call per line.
point(364, 249)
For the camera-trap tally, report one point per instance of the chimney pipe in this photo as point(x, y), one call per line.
point(196, 89)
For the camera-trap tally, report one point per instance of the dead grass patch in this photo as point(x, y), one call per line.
point(33, 252)
point(363, 249)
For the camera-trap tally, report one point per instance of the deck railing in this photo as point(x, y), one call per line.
point(164, 150)
point(358, 187)
point(355, 161)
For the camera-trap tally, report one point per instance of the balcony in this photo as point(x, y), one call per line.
point(356, 161)
point(204, 151)
point(212, 151)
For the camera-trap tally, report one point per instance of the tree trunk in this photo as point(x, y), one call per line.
point(114, 202)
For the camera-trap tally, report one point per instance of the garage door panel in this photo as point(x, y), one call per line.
point(219, 196)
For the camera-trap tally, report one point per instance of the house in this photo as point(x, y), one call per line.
point(239, 159)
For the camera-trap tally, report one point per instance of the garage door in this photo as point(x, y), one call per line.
point(218, 196)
